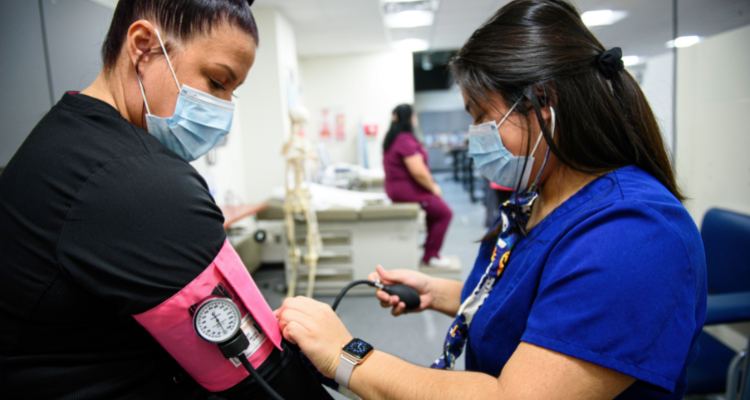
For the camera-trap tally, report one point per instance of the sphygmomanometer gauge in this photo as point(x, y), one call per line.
point(217, 319)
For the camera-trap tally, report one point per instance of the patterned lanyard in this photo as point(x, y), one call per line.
point(511, 233)
point(513, 225)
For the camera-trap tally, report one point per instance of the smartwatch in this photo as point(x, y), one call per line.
point(352, 354)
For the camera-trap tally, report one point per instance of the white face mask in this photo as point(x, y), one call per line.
point(495, 162)
point(199, 121)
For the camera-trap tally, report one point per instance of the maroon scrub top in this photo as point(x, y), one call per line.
point(399, 184)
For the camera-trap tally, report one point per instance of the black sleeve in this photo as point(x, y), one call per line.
point(140, 230)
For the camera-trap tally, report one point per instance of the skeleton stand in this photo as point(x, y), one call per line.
point(297, 202)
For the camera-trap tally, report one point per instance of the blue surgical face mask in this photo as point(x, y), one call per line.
point(495, 162)
point(199, 121)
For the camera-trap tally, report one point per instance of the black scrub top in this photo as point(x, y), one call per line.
point(98, 222)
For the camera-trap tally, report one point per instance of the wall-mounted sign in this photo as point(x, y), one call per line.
point(340, 126)
point(371, 130)
point(332, 125)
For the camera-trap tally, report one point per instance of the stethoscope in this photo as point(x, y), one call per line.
point(217, 320)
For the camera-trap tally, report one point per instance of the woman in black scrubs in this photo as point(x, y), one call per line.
point(102, 217)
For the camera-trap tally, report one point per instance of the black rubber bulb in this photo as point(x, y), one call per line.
point(407, 294)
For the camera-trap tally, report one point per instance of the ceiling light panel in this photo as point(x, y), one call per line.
point(409, 19)
point(411, 45)
point(409, 14)
point(631, 60)
point(394, 6)
point(683, 41)
point(602, 17)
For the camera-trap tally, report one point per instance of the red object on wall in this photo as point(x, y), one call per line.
point(371, 130)
point(325, 127)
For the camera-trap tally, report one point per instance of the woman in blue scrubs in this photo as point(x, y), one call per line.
point(592, 284)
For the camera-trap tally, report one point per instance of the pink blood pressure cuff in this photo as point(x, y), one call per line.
point(171, 323)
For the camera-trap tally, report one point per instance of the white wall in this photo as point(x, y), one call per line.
point(366, 87)
point(657, 85)
point(251, 165)
point(713, 134)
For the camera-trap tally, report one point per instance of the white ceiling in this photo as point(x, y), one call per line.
point(326, 27)
point(334, 26)
point(353, 26)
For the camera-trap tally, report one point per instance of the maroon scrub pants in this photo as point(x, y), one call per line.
point(438, 218)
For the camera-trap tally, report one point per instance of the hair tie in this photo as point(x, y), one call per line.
point(610, 62)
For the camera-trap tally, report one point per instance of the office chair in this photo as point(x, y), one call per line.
point(745, 389)
point(738, 378)
point(726, 238)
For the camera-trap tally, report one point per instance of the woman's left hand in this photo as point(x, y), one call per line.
point(316, 329)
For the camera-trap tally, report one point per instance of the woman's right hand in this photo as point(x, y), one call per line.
point(417, 280)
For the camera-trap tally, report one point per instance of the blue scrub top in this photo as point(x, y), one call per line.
point(615, 276)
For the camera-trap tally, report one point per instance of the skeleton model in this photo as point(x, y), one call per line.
point(297, 151)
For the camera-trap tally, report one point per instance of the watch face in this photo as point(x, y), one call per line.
point(358, 348)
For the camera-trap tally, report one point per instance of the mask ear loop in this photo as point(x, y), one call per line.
point(536, 146)
point(143, 93)
point(546, 157)
point(140, 82)
point(508, 113)
point(167, 56)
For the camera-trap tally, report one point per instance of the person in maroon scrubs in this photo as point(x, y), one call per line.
point(408, 180)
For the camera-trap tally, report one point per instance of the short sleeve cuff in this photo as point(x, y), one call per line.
point(603, 360)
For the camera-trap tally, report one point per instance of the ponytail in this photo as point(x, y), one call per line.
point(643, 131)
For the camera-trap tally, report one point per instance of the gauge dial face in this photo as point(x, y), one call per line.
point(217, 320)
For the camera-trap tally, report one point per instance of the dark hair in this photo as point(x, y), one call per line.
point(540, 51)
point(184, 19)
point(402, 124)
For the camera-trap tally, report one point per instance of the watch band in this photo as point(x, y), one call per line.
point(344, 371)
